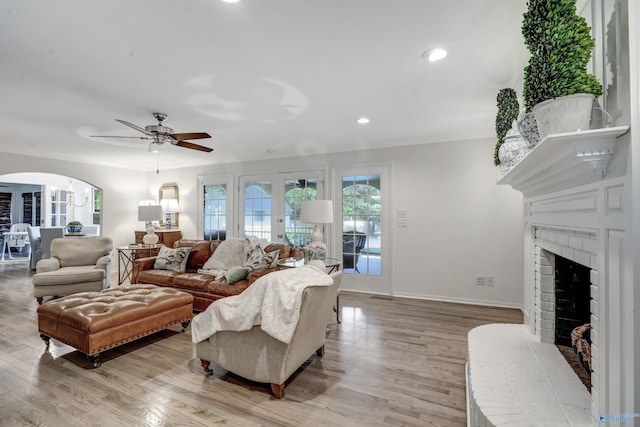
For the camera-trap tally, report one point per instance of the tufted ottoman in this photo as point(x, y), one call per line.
point(96, 321)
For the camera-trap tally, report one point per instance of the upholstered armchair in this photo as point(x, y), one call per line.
point(257, 356)
point(76, 265)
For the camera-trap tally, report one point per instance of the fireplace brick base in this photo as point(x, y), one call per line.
point(513, 379)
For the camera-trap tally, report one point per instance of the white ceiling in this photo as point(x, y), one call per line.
point(266, 78)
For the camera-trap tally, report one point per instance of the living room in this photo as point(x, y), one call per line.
point(459, 225)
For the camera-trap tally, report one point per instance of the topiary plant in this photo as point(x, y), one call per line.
point(560, 44)
point(507, 112)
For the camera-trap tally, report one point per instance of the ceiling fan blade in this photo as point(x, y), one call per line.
point(116, 136)
point(190, 135)
point(136, 127)
point(193, 146)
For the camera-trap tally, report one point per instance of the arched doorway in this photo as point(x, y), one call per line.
point(49, 200)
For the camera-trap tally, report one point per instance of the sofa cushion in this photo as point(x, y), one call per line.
point(259, 260)
point(68, 275)
point(236, 273)
point(80, 252)
point(194, 281)
point(201, 251)
point(229, 253)
point(172, 259)
point(157, 277)
point(224, 290)
point(285, 251)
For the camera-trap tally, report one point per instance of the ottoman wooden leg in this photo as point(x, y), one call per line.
point(45, 338)
point(94, 359)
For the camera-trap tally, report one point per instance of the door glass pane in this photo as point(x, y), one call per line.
point(59, 208)
point(215, 212)
point(361, 224)
point(297, 190)
point(257, 209)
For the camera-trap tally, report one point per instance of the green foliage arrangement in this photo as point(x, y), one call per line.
point(508, 108)
point(560, 44)
point(75, 223)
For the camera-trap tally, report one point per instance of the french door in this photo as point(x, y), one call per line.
point(269, 205)
point(362, 232)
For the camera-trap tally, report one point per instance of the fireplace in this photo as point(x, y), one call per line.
point(572, 299)
point(572, 315)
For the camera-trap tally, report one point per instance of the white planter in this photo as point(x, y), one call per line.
point(565, 114)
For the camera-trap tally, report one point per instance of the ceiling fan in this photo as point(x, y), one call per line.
point(159, 134)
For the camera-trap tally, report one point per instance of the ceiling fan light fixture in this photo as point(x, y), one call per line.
point(363, 120)
point(433, 55)
point(154, 148)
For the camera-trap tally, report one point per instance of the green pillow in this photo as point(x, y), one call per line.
point(236, 273)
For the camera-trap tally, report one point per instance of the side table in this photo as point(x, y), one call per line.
point(128, 254)
point(332, 265)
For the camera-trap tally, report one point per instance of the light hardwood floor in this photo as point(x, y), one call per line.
point(393, 362)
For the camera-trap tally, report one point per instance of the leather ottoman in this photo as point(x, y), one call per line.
point(93, 322)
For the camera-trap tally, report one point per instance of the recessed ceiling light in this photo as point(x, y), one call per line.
point(363, 120)
point(231, 1)
point(433, 55)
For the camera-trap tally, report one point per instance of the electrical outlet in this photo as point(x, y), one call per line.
point(488, 280)
point(480, 281)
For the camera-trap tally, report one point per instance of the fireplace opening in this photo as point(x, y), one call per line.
point(572, 316)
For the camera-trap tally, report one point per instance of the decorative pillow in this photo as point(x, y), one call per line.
point(258, 260)
point(228, 254)
point(172, 259)
point(236, 274)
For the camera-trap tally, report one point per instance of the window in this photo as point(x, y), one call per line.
point(363, 232)
point(58, 207)
point(97, 205)
point(361, 236)
point(215, 212)
point(271, 205)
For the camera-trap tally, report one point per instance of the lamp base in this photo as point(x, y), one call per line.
point(151, 238)
point(315, 251)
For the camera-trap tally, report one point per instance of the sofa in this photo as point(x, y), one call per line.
point(205, 288)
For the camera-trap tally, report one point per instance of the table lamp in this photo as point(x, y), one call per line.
point(169, 207)
point(149, 214)
point(316, 212)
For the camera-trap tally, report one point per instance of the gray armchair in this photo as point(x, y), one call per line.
point(46, 237)
point(259, 357)
point(35, 245)
point(76, 265)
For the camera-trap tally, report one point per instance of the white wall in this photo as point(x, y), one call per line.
point(461, 224)
point(122, 189)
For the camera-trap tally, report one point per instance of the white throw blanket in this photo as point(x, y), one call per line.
point(273, 302)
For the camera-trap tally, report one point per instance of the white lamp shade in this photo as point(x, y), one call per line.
point(316, 211)
point(170, 205)
point(149, 213)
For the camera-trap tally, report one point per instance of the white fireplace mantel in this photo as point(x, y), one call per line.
point(564, 160)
